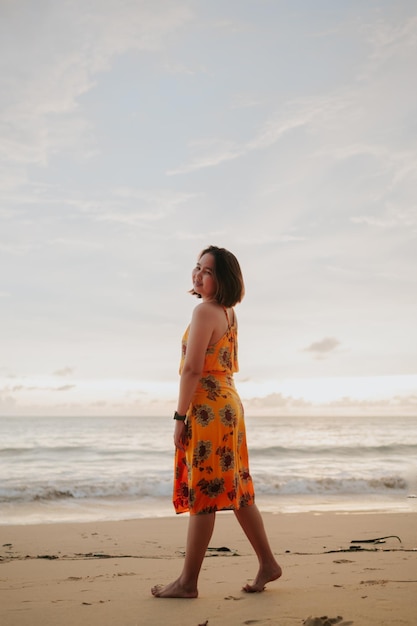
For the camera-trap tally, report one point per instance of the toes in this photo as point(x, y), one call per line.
point(252, 589)
point(156, 590)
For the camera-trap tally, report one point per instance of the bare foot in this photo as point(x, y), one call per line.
point(264, 576)
point(174, 590)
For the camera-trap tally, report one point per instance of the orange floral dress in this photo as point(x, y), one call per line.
point(213, 472)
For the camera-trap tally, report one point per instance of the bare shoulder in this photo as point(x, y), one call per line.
point(206, 310)
point(207, 314)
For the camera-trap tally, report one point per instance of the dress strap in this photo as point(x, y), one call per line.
point(227, 317)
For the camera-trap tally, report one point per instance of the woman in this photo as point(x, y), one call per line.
point(211, 458)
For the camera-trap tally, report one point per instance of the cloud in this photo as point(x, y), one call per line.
point(213, 152)
point(404, 405)
point(65, 371)
point(322, 348)
point(394, 217)
point(389, 40)
point(8, 403)
point(408, 402)
point(63, 388)
point(279, 404)
point(126, 205)
point(16, 249)
point(36, 388)
point(276, 401)
point(138, 206)
point(41, 88)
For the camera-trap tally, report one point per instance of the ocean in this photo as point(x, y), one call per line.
point(104, 468)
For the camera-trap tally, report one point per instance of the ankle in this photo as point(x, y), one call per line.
point(187, 583)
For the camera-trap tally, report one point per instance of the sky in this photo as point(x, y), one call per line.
point(134, 133)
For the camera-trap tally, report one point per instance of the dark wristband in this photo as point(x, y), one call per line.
point(178, 417)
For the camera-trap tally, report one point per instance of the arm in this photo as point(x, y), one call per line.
point(201, 331)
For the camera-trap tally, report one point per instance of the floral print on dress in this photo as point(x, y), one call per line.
point(225, 357)
point(211, 488)
point(212, 474)
point(204, 414)
point(244, 475)
point(212, 386)
point(201, 453)
point(228, 416)
point(227, 458)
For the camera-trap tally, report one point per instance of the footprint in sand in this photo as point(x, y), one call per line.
point(326, 621)
point(374, 582)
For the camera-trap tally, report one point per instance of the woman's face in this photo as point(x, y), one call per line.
point(203, 275)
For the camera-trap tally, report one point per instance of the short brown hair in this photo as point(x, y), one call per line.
point(229, 279)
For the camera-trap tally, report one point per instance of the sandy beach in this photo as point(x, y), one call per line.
point(101, 573)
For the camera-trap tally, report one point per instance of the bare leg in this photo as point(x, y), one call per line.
point(200, 529)
point(251, 521)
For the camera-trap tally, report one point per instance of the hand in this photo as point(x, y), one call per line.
point(179, 435)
